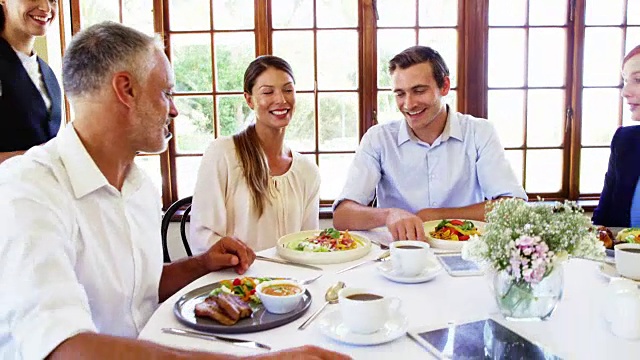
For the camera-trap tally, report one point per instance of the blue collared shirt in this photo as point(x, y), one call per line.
point(465, 165)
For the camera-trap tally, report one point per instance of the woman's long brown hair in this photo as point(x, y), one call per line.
point(249, 150)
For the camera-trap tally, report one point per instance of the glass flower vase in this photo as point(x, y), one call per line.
point(520, 300)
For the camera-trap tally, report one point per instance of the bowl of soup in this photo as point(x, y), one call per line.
point(280, 296)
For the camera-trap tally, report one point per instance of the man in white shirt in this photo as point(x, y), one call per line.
point(80, 246)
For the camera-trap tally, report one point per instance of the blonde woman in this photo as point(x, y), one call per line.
point(251, 185)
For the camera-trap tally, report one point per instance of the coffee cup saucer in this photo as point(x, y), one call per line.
point(610, 271)
point(431, 271)
point(332, 326)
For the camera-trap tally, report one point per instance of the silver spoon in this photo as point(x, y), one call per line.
point(331, 297)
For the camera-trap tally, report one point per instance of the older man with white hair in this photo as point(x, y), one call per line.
point(80, 250)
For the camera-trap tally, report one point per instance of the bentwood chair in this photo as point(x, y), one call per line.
point(166, 220)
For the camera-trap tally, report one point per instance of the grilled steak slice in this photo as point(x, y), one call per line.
point(227, 303)
point(245, 309)
point(209, 308)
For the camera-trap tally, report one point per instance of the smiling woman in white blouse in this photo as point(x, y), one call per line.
point(30, 98)
point(251, 185)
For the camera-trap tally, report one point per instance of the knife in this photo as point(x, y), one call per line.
point(207, 336)
point(285, 262)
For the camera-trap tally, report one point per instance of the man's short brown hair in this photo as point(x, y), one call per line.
point(421, 54)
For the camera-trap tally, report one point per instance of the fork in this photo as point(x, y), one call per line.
point(383, 257)
point(382, 246)
point(310, 280)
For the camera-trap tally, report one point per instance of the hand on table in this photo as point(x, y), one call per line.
point(404, 225)
point(308, 352)
point(229, 252)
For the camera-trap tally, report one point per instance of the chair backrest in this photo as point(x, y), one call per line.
point(166, 220)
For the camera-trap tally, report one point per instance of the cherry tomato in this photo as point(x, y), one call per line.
point(237, 282)
point(464, 237)
point(456, 222)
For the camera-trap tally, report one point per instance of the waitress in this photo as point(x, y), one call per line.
point(30, 98)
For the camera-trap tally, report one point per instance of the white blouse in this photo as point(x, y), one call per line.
point(223, 205)
point(30, 64)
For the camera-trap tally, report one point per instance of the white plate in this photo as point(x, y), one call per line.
point(431, 271)
point(430, 226)
point(332, 326)
point(308, 257)
point(609, 271)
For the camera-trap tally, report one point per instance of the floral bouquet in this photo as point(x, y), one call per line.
point(525, 244)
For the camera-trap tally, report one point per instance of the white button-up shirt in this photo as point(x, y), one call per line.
point(465, 165)
point(76, 254)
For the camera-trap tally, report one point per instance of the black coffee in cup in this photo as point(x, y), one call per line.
point(364, 297)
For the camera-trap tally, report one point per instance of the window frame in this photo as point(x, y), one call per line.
point(472, 85)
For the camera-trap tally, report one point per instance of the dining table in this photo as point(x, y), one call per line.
point(576, 330)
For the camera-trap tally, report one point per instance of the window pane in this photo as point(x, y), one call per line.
point(297, 48)
point(507, 12)
point(233, 114)
point(191, 58)
point(194, 126)
point(234, 52)
point(138, 14)
point(396, 12)
point(390, 43)
point(599, 115)
point(547, 57)
point(287, 14)
point(593, 166)
point(602, 56)
point(545, 117)
point(604, 12)
point(452, 100)
point(95, 11)
point(183, 16)
point(515, 158)
point(187, 173)
point(547, 12)
point(301, 132)
point(338, 121)
point(633, 13)
point(150, 164)
point(233, 14)
point(387, 108)
point(337, 13)
point(544, 171)
point(633, 38)
point(506, 111)
point(506, 57)
point(337, 72)
point(438, 12)
point(332, 181)
point(445, 41)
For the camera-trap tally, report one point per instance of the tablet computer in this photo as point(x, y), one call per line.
point(457, 266)
point(482, 339)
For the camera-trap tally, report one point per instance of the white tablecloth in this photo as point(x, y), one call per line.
point(577, 329)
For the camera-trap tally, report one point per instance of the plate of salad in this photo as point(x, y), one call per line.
point(451, 234)
point(327, 246)
point(243, 290)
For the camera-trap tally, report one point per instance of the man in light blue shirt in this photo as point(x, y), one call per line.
point(436, 164)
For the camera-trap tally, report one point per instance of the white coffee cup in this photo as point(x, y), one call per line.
point(365, 311)
point(616, 287)
point(628, 260)
point(409, 257)
point(625, 321)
